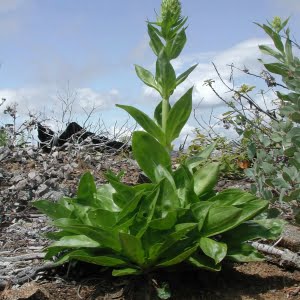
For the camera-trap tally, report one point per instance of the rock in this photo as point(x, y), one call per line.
point(31, 175)
point(291, 237)
point(17, 178)
point(42, 190)
point(21, 185)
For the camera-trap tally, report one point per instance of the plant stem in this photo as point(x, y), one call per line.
point(165, 111)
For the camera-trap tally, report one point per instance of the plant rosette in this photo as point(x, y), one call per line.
point(176, 218)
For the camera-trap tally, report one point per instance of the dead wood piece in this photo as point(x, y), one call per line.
point(30, 256)
point(288, 258)
point(28, 273)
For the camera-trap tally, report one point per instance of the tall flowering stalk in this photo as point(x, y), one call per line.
point(167, 40)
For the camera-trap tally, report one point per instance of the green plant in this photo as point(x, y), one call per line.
point(272, 136)
point(231, 157)
point(3, 137)
point(178, 217)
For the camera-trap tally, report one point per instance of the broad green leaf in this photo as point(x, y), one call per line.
point(288, 50)
point(175, 46)
point(167, 199)
point(244, 253)
point(104, 198)
point(158, 113)
point(87, 190)
point(52, 209)
point(277, 68)
point(102, 260)
point(232, 197)
point(147, 77)
point(145, 213)
point(166, 222)
point(75, 241)
point(132, 248)
point(178, 116)
point(165, 75)
point(220, 219)
point(204, 262)
point(194, 161)
point(213, 249)
point(268, 229)
point(270, 51)
point(102, 218)
point(155, 42)
point(126, 271)
point(130, 207)
point(171, 239)
point(182, 77)
point(200, 211)
point(145, 122)
point(108, 239)
point(206, 178)
point(178, 258)
point(149, 153)
point(185, 186)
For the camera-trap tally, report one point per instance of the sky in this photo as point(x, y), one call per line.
point(84, 51)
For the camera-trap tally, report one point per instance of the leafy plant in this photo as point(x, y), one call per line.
point(231, 157)
point(272, 136)
point(178, 217)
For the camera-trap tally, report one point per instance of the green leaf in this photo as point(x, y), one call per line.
point(103, 218)
point(244, 253)
point(178, 116)
point(145, 122)
point(277, 68)
point(178, 258)
point(204, 262)
point(182, 77)
point(288, 50)
point(102, 260)
point(166, 222)
point(106, 238)
point(213, 249)
point(171, 239)
point(175, 46)
point(268, 50)
point(220, 219)
point(158, 113)
point(145, 213)
point(52, 209)
point(132, 248)
point(194, 161)
point(269, 229)
point(75, 241)
point(149, 153)
point(87, 190)
point(206, 178)
point(147, 77)
point(155, 42)
point(200, 211)
point(165, 75)
point(104, 198)
point(126, 271)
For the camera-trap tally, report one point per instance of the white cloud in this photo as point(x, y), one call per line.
point(242, 54)
point(49, 103)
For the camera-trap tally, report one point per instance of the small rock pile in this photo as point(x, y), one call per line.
point(27, 174)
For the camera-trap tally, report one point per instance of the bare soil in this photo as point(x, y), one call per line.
point(260, 280)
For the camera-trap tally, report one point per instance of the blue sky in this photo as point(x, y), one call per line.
point(92, 45)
